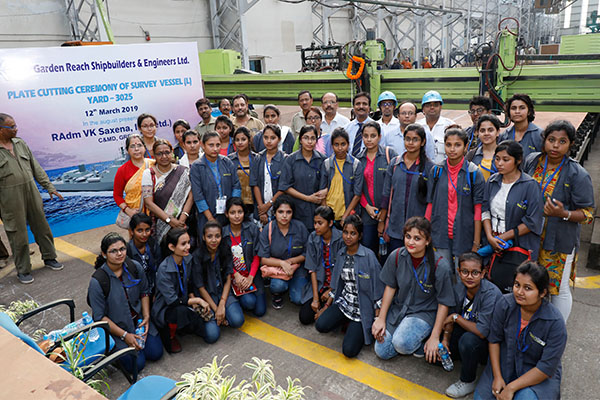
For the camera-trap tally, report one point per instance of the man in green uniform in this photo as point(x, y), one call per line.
point(20, 200)
point(205, 112)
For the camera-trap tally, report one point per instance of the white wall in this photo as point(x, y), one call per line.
point(273, 28)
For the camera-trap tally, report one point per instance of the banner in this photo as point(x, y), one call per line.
point(75, 106)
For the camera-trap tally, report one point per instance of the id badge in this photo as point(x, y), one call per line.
point(221, 204)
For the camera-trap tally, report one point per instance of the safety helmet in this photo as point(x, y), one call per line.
point(431, 96)
point(426, 58)
point(387, 95)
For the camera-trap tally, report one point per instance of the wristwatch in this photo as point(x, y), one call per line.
point(454, 317)
point(568, 217)
point(168, 220)
point(123, 335)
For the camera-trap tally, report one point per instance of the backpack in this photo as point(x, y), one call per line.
point(355, 166)
point(471, 175)
point(104, 280)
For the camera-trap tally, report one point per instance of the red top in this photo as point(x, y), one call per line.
point(368, 174)
point(452, 195)
point(123, 175)
point(235, 240)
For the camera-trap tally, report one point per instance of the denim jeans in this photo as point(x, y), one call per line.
point(451, 258)
point(354, 339)
point(295, 285)
point(470, 349)
point(523, 394)
point(255, 302)
point(152, 351)
point(233, 313)
point(370, 237)
point(407, 338)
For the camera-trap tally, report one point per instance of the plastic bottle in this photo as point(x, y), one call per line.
point(445, 356)
point(488, 250)
point(87, 320)
point(383, 250)
point(140, 330)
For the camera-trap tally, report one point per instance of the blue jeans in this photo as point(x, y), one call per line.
point(153, 351)
point(233, 313)
point(471, 349)
point(333, 318)
point(447, 254)
point(257, 303)
point(295, 285)
point(407, 338)
point(370, 237)
point(523, 394)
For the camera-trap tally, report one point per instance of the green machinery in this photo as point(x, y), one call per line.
point(554, 87)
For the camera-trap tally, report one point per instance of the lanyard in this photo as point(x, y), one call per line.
point(492, 170)
point(338, 168)
point(544, 187)
point(242, 241)
point(144, 257)
point(329, 254)
point(218, 177)
point(269, 169)
point(423, 281)
point(290, 247)
point(182, 285)
point(454, 186)
point(148, 152)
point(466, 309)
point(249, 164)
point(407, 171)
point(134, 282)
point(471, 139)
point(522, 336)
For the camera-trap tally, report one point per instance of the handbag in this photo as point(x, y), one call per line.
point(269, 271)
point(503, 266)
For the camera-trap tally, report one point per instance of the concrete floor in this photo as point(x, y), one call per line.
point(581, 361)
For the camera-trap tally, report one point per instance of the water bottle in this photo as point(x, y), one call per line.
point(445, 356)
point(140, 330)
point(382, 247)
point(488, 250)
point(87, 320)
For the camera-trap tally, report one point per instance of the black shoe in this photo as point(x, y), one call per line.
point(25, 278)
point(277, 301)
point(53, 265)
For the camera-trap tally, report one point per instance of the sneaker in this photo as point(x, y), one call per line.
point(3, 263)
point(460, 389)
point(277, 301)
point(175, 346)
point(25, 278)
point(420, 352)
point(53, 265)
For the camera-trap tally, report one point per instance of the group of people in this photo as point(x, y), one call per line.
point(370, 226)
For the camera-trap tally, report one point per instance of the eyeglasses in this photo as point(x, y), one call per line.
point(147, 126)
point(477, 111)
point(407, 114)
point(309, 138)
point(412, 140)
point(117, 251)
point(136, 146)
point(313, 118)
point(465, 273)
point(163, 154)
point(329, 102)
point(9, 127)
point(387, 104)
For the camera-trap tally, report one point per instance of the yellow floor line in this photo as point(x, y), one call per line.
point(382, 381)
point(74, 251)
point(588, 282)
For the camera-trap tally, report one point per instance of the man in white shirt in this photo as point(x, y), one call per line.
point(434, 125)
point(332, 120)
point(407, 115)
point(390, 125)
point(305, 101)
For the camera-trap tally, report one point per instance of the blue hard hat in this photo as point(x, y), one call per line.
point(387, 95)
point(432, 96)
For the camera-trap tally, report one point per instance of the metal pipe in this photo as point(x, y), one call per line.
point(405, 5)
point(558, 57)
